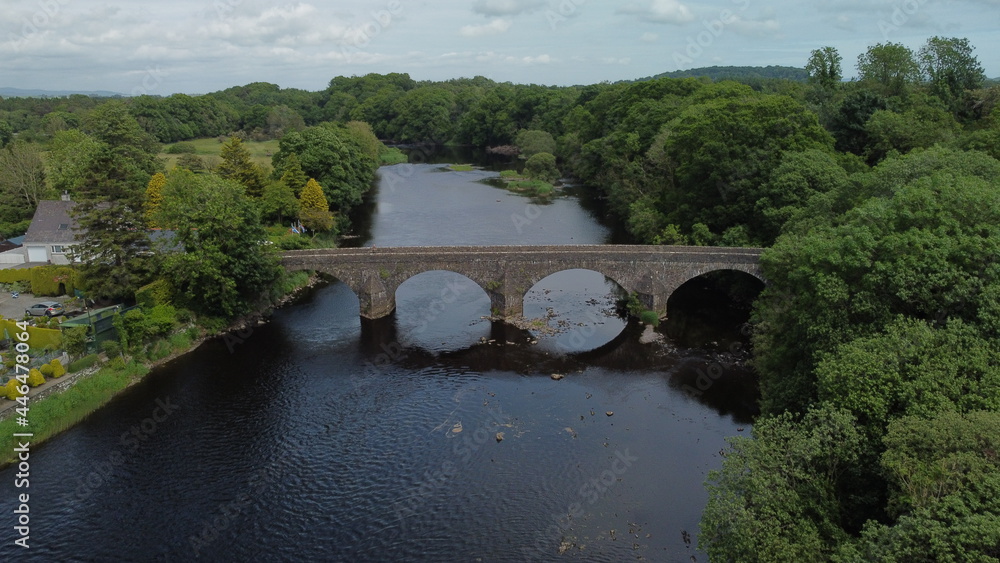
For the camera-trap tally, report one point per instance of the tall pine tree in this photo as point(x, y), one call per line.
point(113, 241)
point(237, 165)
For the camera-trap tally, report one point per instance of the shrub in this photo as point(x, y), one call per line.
point(75, 340)
point(150, 295)
point(542, 166)
point(13, 389)
point(35, 378)
point(116, 363)
point(650, 318)
point(46, 370)
point(57, 368)
point(160, 320)
point(111, 348)
point(182, 148)
point(509, 174)
point(84, 363)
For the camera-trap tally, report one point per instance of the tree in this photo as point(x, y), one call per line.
point(279, 202)
point(22, 182)
point(917, 237)
point(225, 268)
point(70, 152)
point(314, 212)
point(335, 159)
point(75, 340)
point(294, 178)
point(824, 67)
point(154, 196)
point(113, 242)
point(542, 166)
point(944, 478)
point(719, 153)
point(6, 133)
point(889, 68)
point(950, 67)
point(532, 142)
point(775, 498)
point(424, 116)
point(237, 165)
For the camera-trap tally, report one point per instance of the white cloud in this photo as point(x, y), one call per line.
point(754, 28)
point(492, 28)
point(649, 37)
point(660, 11)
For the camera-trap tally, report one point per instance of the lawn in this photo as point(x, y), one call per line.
point(261, 151)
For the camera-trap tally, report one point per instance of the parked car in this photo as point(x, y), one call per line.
point(48, 308)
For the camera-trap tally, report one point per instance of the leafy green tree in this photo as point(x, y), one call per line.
point(951, 67)
point(916, 237)
point(225, 268)
point(776, 496)
point(532, 142)
point(824, 67)
point(6, 133)
point(721, 152)
point(945, 479)
point(337, 160)
point(849, 123)
point(22, 182)
point(70, 152)
point(278, 202)
point(314, 212)
point(294, 178)
point(542, 166)
point(238, 165)
point(113, 243)
point(154, 196)
point(922, 126)
point(191, 162)
point(889, 68)
point(75, 341)
point(798, 178)
point(424, 116)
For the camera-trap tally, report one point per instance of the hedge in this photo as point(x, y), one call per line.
point(13, 276)
point(45, 280)
point(38, 338)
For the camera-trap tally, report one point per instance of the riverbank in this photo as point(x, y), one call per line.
point(62, 403)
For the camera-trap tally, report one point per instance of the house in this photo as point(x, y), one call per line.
point(12, 252)
point(52, 232)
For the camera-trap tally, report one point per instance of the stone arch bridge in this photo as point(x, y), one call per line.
point(506, 273)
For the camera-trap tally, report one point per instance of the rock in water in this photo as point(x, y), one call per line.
point(557, 376)
point(499, 436)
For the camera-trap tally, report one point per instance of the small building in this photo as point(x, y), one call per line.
point(52, 233)
point(12, 252)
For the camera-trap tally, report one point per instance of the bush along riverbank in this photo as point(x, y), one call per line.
point(147, 339)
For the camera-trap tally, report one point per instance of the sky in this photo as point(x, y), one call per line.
point(199, 46)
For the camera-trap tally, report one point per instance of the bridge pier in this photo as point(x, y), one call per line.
point(506, 304)
point(375, 299)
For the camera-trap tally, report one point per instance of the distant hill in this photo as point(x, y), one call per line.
point(19, 93)
point(738, 73)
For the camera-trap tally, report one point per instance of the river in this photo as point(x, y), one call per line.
point(431, 435)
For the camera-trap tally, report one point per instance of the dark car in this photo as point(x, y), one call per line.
point(48, 308)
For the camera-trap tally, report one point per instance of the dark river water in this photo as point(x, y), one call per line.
point(431, 435)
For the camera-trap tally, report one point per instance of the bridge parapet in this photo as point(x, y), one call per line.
point(506, 273)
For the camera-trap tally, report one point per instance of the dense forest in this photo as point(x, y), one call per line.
point(877, 340)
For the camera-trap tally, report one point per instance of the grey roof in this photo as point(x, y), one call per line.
point(52, 223)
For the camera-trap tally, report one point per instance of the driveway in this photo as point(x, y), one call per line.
point(11, 308)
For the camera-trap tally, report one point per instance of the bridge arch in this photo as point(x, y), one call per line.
point(506, 273)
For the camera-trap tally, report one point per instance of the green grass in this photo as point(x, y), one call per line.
point(461, 167)
point(393, 156)
point(261, 151)
point(56, 413)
